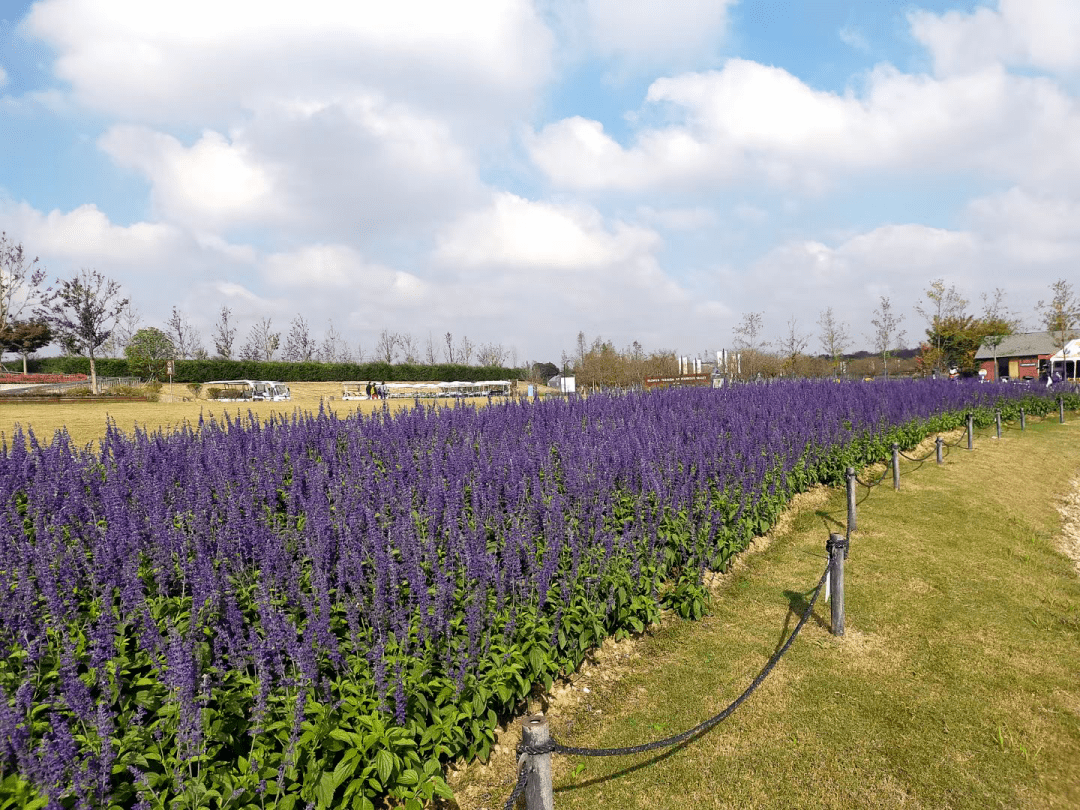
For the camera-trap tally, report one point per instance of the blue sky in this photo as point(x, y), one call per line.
point(516, 171)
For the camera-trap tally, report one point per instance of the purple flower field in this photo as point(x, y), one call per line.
point(327, 610)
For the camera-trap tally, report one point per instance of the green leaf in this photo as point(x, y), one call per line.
point(384, 764)
point(324, 793)
point(346, 767)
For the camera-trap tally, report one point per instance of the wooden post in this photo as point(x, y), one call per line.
point(997, 417)
point(1023, 421)
point(895, 466)
point(937, 450)
point(539, 794)
point(971, 418)
point(851, 522)
point(837, 546)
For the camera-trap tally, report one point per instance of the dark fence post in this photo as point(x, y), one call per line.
point(837, 547)
point(1023, 421)
point(1061, 410)
point(851, 522)
point(895, 466)
point(539, 794)
point(971, 418)
point(937, 450)
point(997, 418)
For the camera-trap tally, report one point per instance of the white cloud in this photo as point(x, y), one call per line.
point(204, 61)
point(3, 77)
point(1044, 34)
point(750, 121)
point(656, 30)
point(86, 236)
point(854, 38)
point(515, 232)
point(1035, 232)
point(679, 219)
point(211, 184)
point(337, 270)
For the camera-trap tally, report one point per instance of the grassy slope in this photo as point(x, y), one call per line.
point(957, 685)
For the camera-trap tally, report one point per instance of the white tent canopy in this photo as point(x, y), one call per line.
point(1066, 361)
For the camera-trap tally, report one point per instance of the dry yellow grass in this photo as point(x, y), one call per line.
point(86, 421)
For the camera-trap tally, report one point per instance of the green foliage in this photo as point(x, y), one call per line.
point(148, 353)
point(336, 745)
point(203, 371)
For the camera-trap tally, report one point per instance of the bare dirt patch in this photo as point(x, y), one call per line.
point(1070, 530)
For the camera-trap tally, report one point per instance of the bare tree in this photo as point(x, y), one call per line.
point(224, 334)
point(946, 310)
point(747, 338)
point(82, 313)
point(887, 332)
point(792, 346)
point(299, 344)
point(386, 346)
point(490, 354)
point(128, 323)
point(410, 349)
point(20, 281)
point(184, 336)
point(431, 354)
point(834, 336)
point(333, 349)
point(465, 350)
point(998, 322)
point(1061, 314)
point(449, 350)
point(262, 342)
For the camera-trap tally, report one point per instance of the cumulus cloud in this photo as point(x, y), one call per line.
point(1043, 34)
point(751, 121)
point(204, 62)
point(337, 269)
point(85, 235)
point(515, 232)
point(653, 31)
point(209, 185)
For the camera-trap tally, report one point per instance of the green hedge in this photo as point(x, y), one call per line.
point(201, 371)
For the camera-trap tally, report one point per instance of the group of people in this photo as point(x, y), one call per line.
point(376, 390)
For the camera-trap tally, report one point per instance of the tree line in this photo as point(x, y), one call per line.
point(88, 316)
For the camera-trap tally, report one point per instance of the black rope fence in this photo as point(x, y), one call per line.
point(917, 460)
point(837, 547)
point(552, 747)
point(875, 483)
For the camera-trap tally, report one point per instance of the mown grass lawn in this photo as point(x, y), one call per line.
point(957, 684)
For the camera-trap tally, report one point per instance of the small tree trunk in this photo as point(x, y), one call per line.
point(93, 375)
point(24, 362)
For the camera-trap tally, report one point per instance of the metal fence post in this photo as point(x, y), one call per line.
point(1061, 410)
point(895, 466)
point(997, 418)
point(937, 450)
point(851, 522)
point(539, 794)
point(837, 547)
point(1023, 421)
point(971, 418)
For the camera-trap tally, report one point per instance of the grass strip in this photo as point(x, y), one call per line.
point(955, 687)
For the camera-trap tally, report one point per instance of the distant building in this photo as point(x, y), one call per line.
point(1019, 357)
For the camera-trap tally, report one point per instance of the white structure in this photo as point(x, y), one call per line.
point(432, 390)
point(251, 390)
point(1066, 362)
